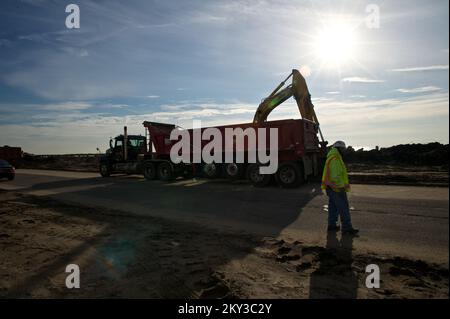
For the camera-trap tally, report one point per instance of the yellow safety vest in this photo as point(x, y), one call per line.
point(335, 173)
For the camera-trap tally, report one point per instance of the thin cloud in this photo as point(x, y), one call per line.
point(76, 52)
point(5, 43)
point(357, 79)
point(66, 106)
point(423, 89)
point(423, 68)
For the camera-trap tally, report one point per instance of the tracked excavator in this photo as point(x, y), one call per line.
point(299, 90)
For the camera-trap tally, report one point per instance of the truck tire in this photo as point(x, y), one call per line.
point(256, 178)
point(289, 175)
point(211, 170)
point(187, 172)
point(165, 171)
point(233, 171)
point(149, 171)
point(104, 170)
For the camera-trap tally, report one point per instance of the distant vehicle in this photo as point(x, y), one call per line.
point(7, 170)
point(13, 155)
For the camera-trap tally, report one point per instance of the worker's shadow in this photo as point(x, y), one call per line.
point(335, 278)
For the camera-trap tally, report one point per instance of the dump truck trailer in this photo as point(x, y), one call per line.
point(298, 153)
point(299, 150)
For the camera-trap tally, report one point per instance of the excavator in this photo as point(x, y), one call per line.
point(299, 90)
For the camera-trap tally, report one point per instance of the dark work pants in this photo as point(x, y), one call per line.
point(338, 206)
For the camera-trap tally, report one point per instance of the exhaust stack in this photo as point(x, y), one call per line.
point(125, 143)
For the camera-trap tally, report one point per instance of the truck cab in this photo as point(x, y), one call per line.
point(123, 155)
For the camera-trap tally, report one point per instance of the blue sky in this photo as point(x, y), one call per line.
point(68, 90)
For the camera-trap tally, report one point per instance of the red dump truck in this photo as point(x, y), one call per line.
point(299, 151)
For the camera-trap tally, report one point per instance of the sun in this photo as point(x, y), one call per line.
point(335, 44)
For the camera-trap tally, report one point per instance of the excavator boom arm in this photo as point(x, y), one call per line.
point(270, 103)
point(298, 89)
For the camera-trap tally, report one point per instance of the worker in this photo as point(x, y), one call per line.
point(335, 183)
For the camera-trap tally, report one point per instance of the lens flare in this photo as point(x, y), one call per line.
point(335, 44)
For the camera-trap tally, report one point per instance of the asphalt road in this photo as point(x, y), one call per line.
point(394, 220)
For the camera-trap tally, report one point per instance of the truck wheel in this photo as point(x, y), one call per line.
point(256, 178)
point(289, 175)
point(165, 171)
point(233, 171)
point(188, 172)
point(211, 170)
point(149, 171)
point(104, 170)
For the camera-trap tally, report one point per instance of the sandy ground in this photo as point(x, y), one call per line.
point(126, 256)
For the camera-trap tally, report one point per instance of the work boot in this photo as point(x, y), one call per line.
point(333, 228)
point(351, 231)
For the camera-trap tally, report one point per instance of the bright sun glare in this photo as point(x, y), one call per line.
point(335, 44)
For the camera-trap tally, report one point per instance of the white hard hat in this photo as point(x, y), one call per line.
point(339, 144)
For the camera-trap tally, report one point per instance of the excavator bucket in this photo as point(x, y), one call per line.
point(302, 96)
